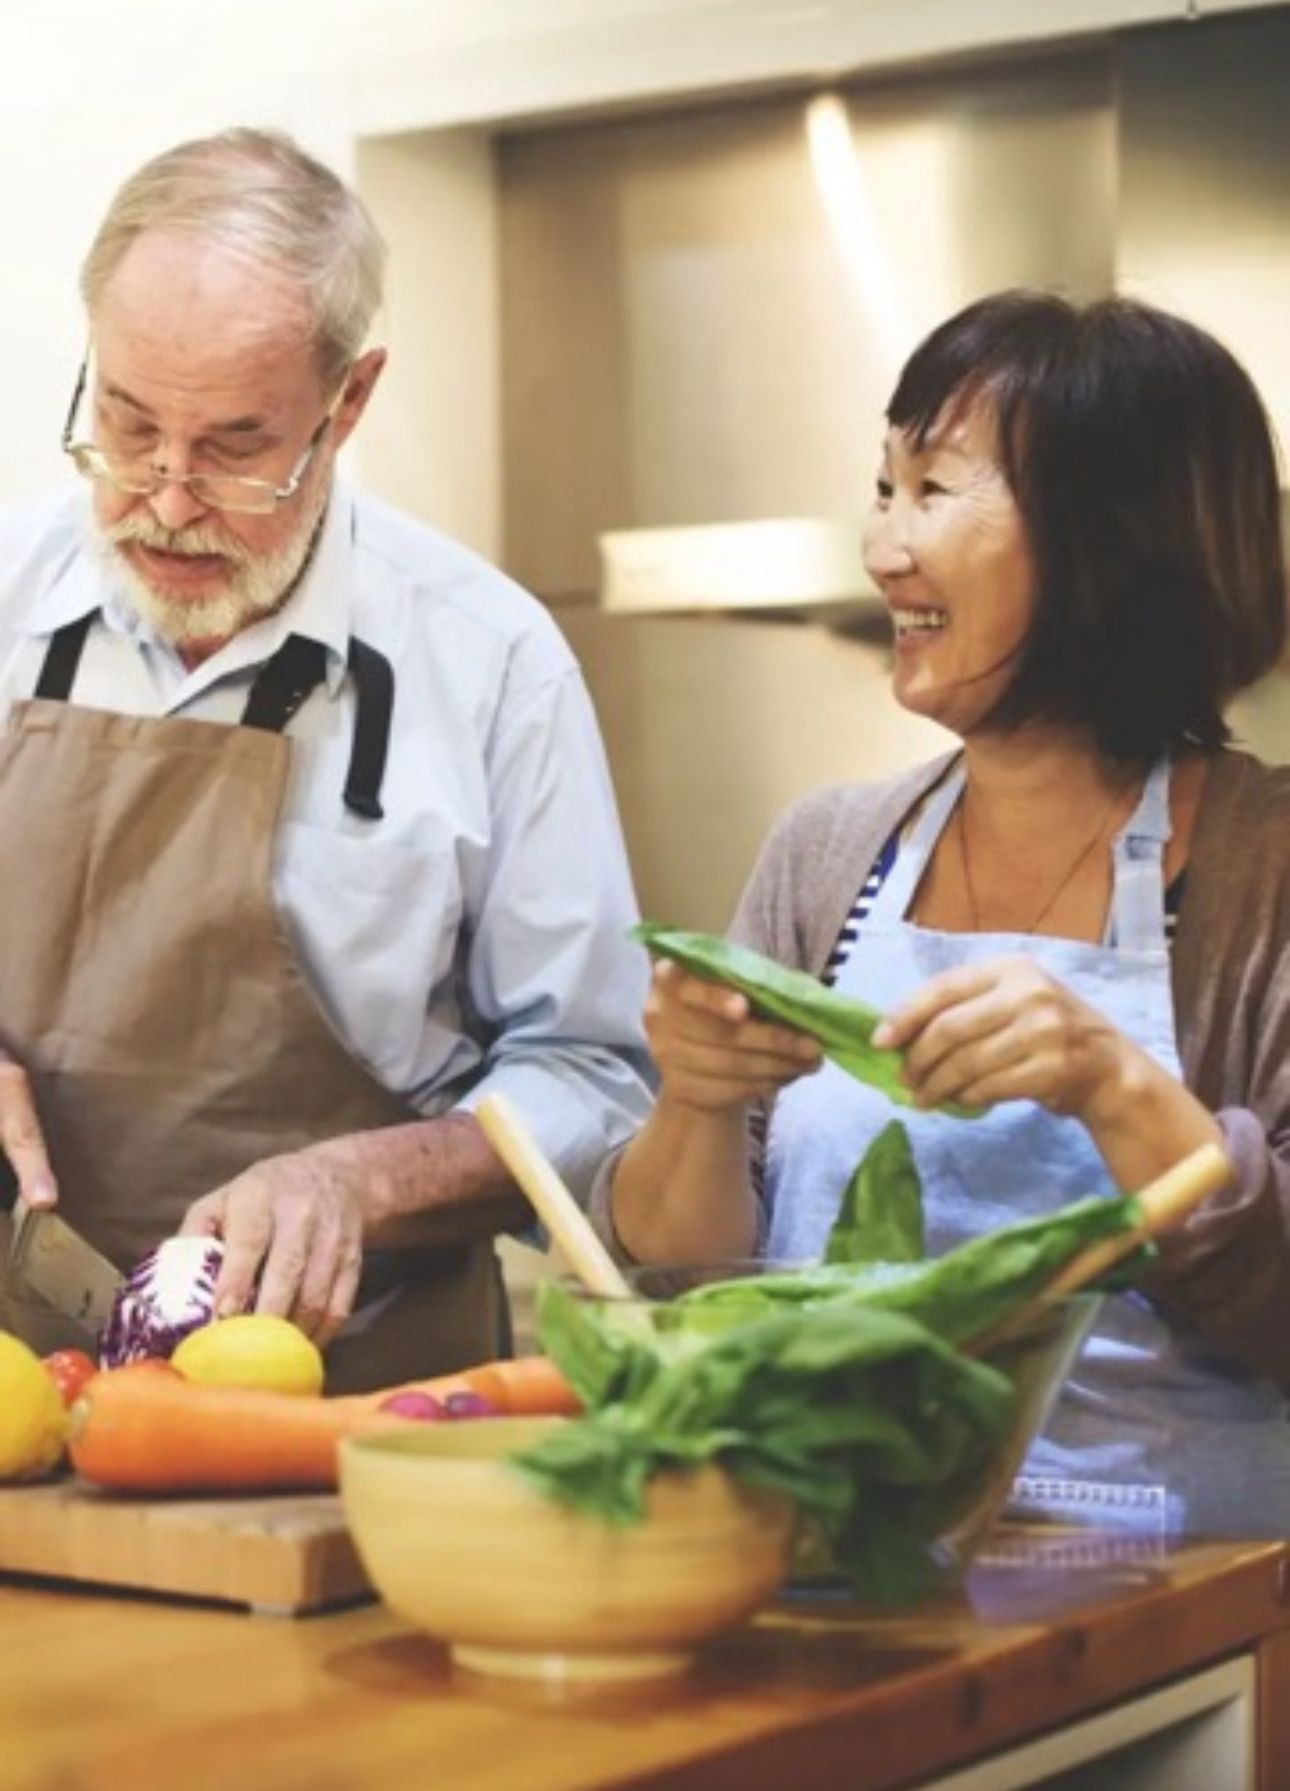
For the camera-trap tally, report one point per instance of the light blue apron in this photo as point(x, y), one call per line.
point(1153, 1431)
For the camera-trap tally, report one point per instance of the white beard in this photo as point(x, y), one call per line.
point(256, 586)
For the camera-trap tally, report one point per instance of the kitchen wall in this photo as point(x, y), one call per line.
point(87, 91)
point(690, 330)
point(688, 333)
point(684, 336)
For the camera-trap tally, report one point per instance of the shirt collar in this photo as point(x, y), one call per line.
point(319, 607)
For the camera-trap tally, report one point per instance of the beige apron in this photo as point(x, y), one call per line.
point(147, 986)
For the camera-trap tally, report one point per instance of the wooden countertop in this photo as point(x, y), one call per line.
point(109, 1692)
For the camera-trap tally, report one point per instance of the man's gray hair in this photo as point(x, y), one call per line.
point(258, 193)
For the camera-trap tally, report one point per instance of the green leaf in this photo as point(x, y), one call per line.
point(842, 1026)
point(881, 1216)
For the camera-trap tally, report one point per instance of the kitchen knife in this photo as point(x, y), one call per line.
point(56, 1262)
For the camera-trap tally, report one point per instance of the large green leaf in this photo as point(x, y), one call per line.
point(881, 1216)
point(843, 1027)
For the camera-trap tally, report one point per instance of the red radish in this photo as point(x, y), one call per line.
point(410, 1404)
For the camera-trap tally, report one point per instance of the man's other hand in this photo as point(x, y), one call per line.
point(21, 1138)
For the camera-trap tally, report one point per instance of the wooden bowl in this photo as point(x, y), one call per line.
point(456, 1541)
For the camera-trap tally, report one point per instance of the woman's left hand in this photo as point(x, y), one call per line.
point(1004, 1030)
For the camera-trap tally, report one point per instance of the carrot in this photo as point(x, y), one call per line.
point(140, 1431)
point(160, 1433)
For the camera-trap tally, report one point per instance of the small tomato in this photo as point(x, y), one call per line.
point(69, 1370)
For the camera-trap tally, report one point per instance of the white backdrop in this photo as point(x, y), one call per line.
point(87, 91)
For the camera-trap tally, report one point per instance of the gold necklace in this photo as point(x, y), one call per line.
point(1066, 879)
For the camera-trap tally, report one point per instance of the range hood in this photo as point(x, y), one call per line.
point(798, 566)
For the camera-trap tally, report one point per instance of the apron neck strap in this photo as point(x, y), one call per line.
point(298, 668)
point(283, 683)
point(897, 890)
point(1137, 902)
point(281, 686)
point(58, 673)
point(374, 686)
point(1138, 857)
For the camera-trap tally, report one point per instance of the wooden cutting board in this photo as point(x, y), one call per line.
point(287, 1553)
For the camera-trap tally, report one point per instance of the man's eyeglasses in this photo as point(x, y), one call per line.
point(220, 491)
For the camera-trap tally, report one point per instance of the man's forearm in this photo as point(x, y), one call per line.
point(429, 1182)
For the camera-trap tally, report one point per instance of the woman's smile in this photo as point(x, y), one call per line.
point(915, 625)
point(947, 548)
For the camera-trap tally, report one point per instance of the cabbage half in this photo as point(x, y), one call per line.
point(164, 1297)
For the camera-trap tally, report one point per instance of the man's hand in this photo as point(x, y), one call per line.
point(21, 1138)
point(296, 1222)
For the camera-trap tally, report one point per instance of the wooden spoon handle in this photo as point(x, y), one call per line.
point(1165, 1203)
point(554, 1204)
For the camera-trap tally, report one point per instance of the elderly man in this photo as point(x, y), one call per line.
point(308, 836)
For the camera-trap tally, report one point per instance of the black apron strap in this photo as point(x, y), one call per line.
point(374, 685)
point(283, 682)
point(280, 688)
point(58, 673)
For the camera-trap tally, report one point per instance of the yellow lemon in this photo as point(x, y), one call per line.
point(252, 1349)
point(33, 1423)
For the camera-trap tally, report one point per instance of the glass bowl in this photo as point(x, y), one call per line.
point(1035, 1352)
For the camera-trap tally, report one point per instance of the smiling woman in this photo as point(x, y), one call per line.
point(1076, 531)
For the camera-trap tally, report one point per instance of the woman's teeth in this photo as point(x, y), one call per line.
point(919, 621)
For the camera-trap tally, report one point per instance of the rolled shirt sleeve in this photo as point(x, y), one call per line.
point(552, 977)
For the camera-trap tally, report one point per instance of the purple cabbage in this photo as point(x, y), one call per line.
point(164, 1297)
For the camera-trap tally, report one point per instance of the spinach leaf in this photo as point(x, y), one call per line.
point(881, 1216)
point(843, 1027)
point(972, 1289)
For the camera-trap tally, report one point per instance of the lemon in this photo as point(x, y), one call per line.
point(251, 1349)
point(33, 1423)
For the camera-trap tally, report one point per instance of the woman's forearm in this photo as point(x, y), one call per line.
point(1144, 1120)
point(681, 1191)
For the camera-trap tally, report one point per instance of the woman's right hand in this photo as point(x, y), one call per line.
point(21, 1138)
point(712, 1052)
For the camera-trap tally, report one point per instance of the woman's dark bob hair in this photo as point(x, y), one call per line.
point(1145, 471)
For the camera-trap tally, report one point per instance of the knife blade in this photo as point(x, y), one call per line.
point(56, 1262)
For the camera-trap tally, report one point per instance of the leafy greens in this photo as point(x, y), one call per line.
point(841, 1386)
point(842, 1026)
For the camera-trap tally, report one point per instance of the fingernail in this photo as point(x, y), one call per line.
point(882, 1035)
point(42, 1192)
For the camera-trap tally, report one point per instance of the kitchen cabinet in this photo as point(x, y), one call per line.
point(1065, 1665)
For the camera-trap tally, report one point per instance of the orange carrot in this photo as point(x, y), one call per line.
point(148, 1432)
point(160, 1433)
